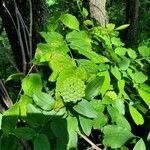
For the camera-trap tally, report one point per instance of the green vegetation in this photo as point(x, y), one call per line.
point(83, 79)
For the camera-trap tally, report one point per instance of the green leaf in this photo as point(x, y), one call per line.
point(59, 62)
point(118, 118)
point(139, 77)
point(115, 71)
point(44, 100)
point(1, 121)
point(140, 145)
point(88, 22)
point(35, 116)
point(124, 63)
point(145, 96)
point(10, 118)
point(72, 126)
point(24, 100)
point(121, 51)
point(116, 42)
point(24, 133)
point(144, 51)
point(51, 2)
point(132, 54)
point(106, 84)
point(93, 87)
point(32, 84)
point(122, 27)
point(59, 127)
point(79, 40)
point(9, 143)
point(137, 117)
point(110, 26)
point(121, 85)
point(119, 104)
point(86, 109)
point(70, 21)
point(85, 12)
point(54, 41)
point(89, 66)
point(15, 77)
point(86, 125)
point(115, 136)
point(41, 142)
point(100, 121)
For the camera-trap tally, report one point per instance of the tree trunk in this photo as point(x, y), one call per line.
point(132, 12)
point(98, 11)
point(18, 41)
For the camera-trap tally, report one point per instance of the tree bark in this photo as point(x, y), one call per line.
point(38, 12)
point(98, 11)
point(132, 13)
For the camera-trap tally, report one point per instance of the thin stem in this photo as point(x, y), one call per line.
point(89, 141)
point(31, 29)
point(24, 63)
point(25, 30)
point(10, 16)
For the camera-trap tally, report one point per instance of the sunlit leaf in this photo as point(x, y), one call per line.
point(86, 109)
point(137, 117)
point(140, 145)
point(32, 84)
point(115, 136)
point(70, 21)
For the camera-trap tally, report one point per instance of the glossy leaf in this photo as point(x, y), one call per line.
point(93, 87)
point(86, 109)
point(70, 21)
point(145, 96)
point(72, 126)
point(44, 100)
point(106, 84)
point(137, 117)
point(115, 71)
point(139, 77)
point(122, 27)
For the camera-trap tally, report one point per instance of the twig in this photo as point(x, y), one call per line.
point(30, 29)
point(6, 99)
point(89, 141)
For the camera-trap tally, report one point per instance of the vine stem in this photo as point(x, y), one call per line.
point(95, 147)
point(26, 76)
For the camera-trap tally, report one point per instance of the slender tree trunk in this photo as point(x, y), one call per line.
point(18, 41)
point(132, 13)
point(98, 11)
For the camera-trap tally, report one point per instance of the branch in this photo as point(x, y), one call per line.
point(6, 99)
point(95, 147)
